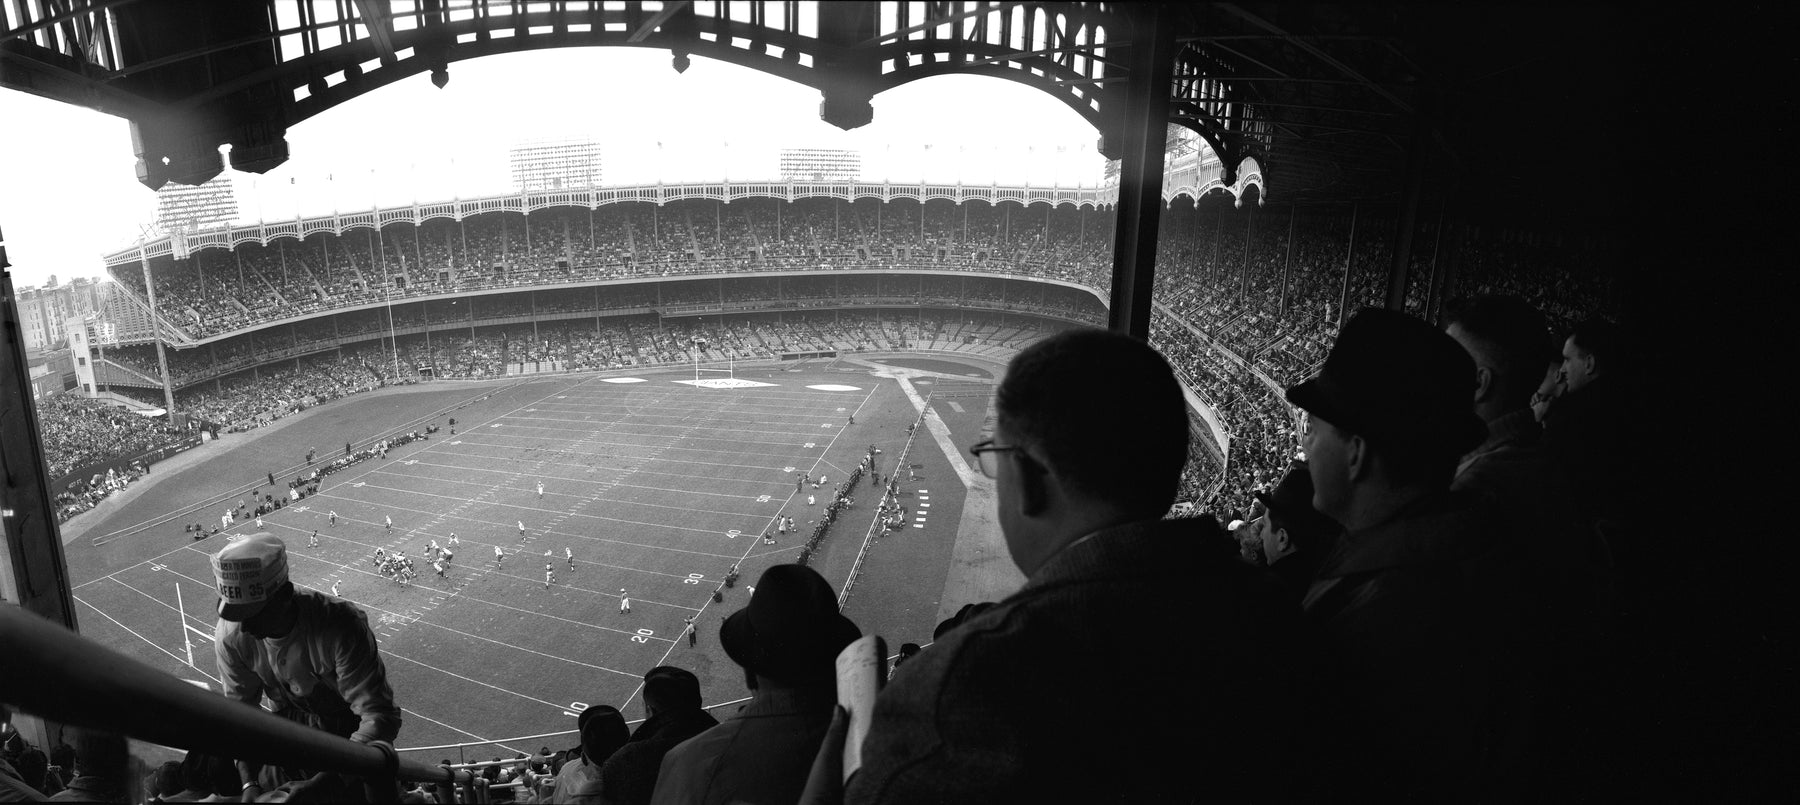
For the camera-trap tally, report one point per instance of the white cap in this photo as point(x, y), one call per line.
point(248, 572)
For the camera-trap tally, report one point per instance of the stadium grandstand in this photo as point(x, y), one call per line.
point(657, 385)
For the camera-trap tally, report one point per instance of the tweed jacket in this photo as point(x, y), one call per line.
point(1061, 692)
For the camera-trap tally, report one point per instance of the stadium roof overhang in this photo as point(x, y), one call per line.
point(1329, 100)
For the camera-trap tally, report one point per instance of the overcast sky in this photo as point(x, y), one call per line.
point(68, 191)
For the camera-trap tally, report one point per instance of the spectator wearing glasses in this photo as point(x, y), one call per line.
point(976, 718)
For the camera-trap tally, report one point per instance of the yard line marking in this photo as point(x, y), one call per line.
point(702, 438)
point(412, 712)
point(172, 655)
point(409, 492)
point(581, 623)
point(475, 681)
point(706, 478)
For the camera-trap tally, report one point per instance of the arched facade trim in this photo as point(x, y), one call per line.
point(1191, 180)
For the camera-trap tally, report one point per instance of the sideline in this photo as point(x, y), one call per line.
point(168, 469)
point(981, 567)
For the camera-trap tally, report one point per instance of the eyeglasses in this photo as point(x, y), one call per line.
point(987, 454)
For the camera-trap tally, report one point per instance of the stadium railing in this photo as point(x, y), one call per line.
point(60, 676)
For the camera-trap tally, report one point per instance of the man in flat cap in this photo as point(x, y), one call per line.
point(312, 655)
point(1419, 606)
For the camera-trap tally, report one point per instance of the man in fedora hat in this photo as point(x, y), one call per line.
point(787, 641)
point(314, 656)
point(1295, 538)
point(1050, 695)
point(1417, 608)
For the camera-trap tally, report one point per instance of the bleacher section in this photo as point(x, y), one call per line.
point(1241, 311)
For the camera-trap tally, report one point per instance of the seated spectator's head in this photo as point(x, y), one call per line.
point(968, 612)
point(791, 631)
point(907, 652)
point(668, 689)
point(1509, 341)
point(32, 764)
point(1092, 432)
point(1290, 524)
point(101, 754)
point(602, 733)
point(253, 586)
point(1591, 350)
point(63, 757)
point(166, 779)
point(1390, 414)
point(195, 782)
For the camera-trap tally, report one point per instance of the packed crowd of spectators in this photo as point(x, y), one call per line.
point(83, 494)
point(77, 432)
point(1247, 316)
point(218, 292)
point(1265, 310)
point(243, 403)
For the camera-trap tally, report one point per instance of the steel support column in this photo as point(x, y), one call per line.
point(1343, 311)
point(33, 573)
point(1144, 133)
point(1287, 264)
point(1408, 220)
point(1432, 286)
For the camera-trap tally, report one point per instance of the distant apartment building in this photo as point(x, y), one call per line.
point(44, 312)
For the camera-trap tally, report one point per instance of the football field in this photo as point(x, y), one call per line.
point(652, 487)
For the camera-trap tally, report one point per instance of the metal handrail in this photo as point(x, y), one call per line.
point(58, 675)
